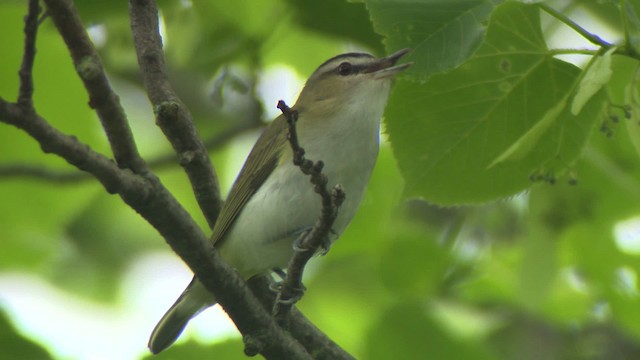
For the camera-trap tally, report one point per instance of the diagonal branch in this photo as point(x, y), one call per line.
point(171, 114)
point(147, 196)
point(101, 96)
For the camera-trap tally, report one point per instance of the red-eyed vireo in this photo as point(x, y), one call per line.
point(272, 201)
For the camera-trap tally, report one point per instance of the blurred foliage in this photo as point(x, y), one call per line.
point(540, 270)
point(16, 346)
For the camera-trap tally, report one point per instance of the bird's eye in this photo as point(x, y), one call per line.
point(344, 69)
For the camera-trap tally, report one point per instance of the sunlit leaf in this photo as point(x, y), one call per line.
point(596, 76)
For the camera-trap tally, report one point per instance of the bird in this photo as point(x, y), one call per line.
point(271, 201)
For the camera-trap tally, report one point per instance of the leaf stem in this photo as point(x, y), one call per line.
point(592, 38)
point(588, 52)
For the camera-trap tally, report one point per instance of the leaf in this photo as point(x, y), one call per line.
point(522, 146)
point(442, 33)
point(16, 346)
point(406, 332)
point(597, 75)
point(453, 133)
point(632, 99)
point(337, 18)
point(631, 13)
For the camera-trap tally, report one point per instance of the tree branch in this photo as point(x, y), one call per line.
point(152, 200)
point(114, 179)
point(171, 114)
point(101, 97)
point(144, 193)
point(313, 339)
point(592, 38)
point(69, 177)
point(310, 242)
point(25, 93)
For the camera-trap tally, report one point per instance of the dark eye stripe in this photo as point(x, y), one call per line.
point(346, 56)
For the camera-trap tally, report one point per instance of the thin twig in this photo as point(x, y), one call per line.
point(308, 244)
point(171, 114)
point(101, 96)
point(592, 38)
point(25, 93)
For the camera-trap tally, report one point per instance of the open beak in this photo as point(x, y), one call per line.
point(386, 66)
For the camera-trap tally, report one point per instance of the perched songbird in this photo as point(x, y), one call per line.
point(272, 201)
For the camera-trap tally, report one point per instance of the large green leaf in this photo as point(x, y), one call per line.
point(481, 131)
point(442, 33)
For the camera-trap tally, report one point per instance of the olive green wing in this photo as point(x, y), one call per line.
point(262, 160)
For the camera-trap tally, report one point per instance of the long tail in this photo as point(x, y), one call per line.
point(191, 302)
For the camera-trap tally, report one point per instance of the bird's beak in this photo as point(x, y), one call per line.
point(386, 66)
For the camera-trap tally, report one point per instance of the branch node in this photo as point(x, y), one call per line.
point(186, 157)
point(166, 110)
point(254, 342)
point(89, 68)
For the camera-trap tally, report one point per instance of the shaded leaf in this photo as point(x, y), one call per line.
point(442, 33)
point(631, 13)
point(405, 331)
point(452, 134)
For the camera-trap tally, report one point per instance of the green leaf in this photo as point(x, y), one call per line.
point(596, 76)
point(15, 346)
point(406, 332)
point(632, 100)
point(337, 18)
point(631, 16)
point(442, 33)
point(453, 134)
point(525, 144)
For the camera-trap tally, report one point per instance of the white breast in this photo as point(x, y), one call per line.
point(261, 238)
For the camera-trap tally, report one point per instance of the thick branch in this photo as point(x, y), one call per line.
point(171, 114)
point(310, 242)
point(101, 96)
